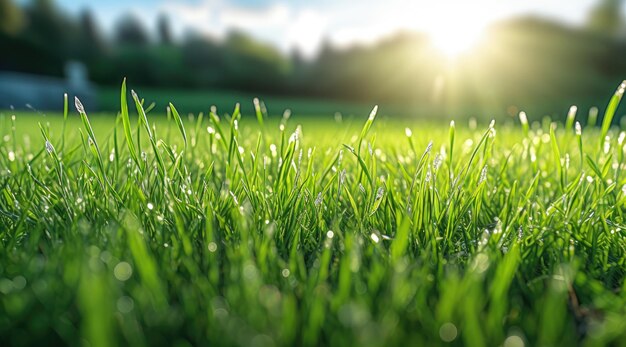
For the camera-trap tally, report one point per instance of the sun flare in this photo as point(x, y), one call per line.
point(457, 37)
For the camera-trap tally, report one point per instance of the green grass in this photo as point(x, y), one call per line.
point(196, 101)
point(265, 231)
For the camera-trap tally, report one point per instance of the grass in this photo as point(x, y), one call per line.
point(196, 101)
point(257, 231)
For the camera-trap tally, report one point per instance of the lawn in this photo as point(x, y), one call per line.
point(257, 230)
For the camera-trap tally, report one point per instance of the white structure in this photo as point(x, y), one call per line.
point(23, 91)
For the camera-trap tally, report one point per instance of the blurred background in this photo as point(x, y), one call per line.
point(484, 58)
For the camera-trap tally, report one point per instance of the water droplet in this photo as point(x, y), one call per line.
point(448, 332)
point(380, 192)
point(123, 271)
point(212, 247)
point(79, 105)
point(125, 304)
point(49, 147)
point(319, 199)
point(514, 341)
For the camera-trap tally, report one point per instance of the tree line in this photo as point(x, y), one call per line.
point(523, 59)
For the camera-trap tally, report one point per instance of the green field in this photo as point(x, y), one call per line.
point(250, 230)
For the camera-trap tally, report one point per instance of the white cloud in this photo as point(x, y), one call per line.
point(283, 25)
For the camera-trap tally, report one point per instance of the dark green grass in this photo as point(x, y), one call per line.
point(255, 231)
point(199, 101)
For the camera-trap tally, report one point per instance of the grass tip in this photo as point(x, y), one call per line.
point(373, 113)
point(79, 105)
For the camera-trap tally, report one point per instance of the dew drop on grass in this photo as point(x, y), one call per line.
point(373, 113)
point(408, 132)
point(375, 238)
point(319, 198)
point(125, 304)
point(513, 341)
point(472, 123)
point(523, 118)
point(481, 262)
point(49, 147)
point(122, 271)
point(79, 105)
point(19, 282)
point(285, 273)
point(437, 162)
point(448, 332)
point(234, 197)
point(273, 149)
point(212, 247)
point(11, 156)
point(380, 192)
point(330, 234)
point(622, 88)
point(429, 147)
point(150, 206)
point(6, 286)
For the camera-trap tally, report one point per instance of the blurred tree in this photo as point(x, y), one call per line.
point(11, 17)
point(606, 17)
point(252, 65)
point(297, 77)
point(92, 42)
point(48, 28)
point(204, 61)
point(164, 30)
point(90, 30)
point(297, 59)
point(130, 31)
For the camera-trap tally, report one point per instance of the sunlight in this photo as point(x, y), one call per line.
point(452, 43)
point(457, 35)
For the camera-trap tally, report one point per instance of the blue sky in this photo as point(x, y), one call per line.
point(305, 24)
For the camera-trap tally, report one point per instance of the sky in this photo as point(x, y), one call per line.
point(305, 24)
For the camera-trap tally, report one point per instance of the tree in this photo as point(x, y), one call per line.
point(164, 30)
point(11, 17)
point(606, 17)
point(130, 31)
point(47, 26)
point(90, 30)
